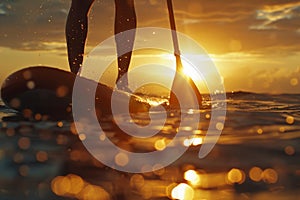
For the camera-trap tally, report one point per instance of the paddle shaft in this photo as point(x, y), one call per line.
point(174, 104)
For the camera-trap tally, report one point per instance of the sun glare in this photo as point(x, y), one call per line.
point(188, 70)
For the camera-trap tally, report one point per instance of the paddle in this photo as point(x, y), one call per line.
point(174, 104)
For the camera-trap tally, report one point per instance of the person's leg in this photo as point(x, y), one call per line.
point(76, 32)
point(125, 19)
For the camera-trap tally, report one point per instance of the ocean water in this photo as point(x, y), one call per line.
point(256, 157)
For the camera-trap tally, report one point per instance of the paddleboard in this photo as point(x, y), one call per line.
point(42, 92)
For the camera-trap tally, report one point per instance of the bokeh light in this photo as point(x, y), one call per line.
point(160, 144)
point(294, 82)
point(192, 176)
point(62, 91)
point(255, 174)
point(121, 159)
point(260, 131)
point(289, 150)
point(236, 176)
point(270, 176)
point(30, 85)
point(183, 192)
point(41, 156)
point(289, 119)
point(137, 181)
point(74, 186)
point(24, 143)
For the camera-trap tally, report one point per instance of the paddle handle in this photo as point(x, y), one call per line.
point(173, 28)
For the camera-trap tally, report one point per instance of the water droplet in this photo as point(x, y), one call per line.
point(294, 81)
point(30, 85)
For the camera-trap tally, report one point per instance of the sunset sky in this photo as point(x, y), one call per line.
point(255, 44)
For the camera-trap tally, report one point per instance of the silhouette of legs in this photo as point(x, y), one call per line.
point(76, 32)
point(77, 27)
point(125, 19)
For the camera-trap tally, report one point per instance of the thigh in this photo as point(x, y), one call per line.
point(82, 4)
point(124, 4)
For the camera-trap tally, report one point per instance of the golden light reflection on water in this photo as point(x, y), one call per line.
point(192, 176)
point(282, 129)
point(290, 120)
point(73, 128)
point(38, 117)
point(197, 141)
point(60, 124)
point(177, 182)
point(61, 185)
point(270, 176)
point(160, 144)
point(236, 176)
point(260, 131)
point(82, 136)
point(158, 169)
point(137, 181)
point(168, 184)
point(75, 187)
point(193, 141)
point(219, 126)
point(183, 192)
point(255, 174)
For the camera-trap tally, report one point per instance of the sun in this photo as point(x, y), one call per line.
point(188, 70)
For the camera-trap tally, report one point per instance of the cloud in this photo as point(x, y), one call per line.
point(272, 17)
point(27, 25)
point(5, 8)
point(260, 73)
